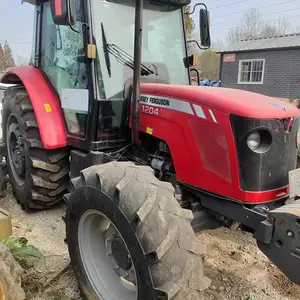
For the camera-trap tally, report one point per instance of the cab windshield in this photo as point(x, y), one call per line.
point(163, 46)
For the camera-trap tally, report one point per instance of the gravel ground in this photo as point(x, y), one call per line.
point(46, 231)
point(239, 271)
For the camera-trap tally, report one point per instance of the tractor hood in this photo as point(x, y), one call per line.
point(231, 101)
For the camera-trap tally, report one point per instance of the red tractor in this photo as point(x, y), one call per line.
point(147, 154)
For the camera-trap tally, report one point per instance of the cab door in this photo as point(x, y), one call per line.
point(63, 60)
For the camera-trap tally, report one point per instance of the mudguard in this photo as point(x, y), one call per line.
point(45, 104)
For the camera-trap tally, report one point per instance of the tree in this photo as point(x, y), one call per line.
point(217, 45)
point(209, 65)
point(21, 61)
point(1, 59)
point(252, 26)
point(7, 57)
point(282, 26)
point(189, 29)
point(189, 23)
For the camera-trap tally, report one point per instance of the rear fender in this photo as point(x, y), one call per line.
point(45, 104)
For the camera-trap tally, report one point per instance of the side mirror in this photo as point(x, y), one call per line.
point(204, 28)
point(63, 12)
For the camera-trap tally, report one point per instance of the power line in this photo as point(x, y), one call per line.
point(228, 4)
point(275, 20)
point(274, 13)
point(215, 1)
point(261, 7)
point(16, 43)
point(15, 38)
point(10, 38)
point(210, 2)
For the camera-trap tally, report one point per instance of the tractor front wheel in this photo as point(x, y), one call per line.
point(128, 237)
point(39, 176)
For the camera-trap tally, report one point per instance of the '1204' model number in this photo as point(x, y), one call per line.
point(150, 110)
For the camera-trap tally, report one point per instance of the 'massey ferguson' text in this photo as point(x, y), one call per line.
point(155, 100)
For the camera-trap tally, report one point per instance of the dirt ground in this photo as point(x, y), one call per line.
point(239, 271)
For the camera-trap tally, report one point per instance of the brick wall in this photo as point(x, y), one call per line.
point(281, 77)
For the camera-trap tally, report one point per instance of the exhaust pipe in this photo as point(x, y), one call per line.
point(137, 71)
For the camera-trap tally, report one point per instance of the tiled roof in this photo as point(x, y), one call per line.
point(277, 42)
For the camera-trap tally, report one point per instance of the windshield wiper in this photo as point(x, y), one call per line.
point(121, 56)
point(105, 49)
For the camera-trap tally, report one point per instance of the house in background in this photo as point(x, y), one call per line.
point(270, 66)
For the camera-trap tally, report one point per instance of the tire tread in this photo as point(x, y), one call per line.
point(163, 226)
point(48, 170)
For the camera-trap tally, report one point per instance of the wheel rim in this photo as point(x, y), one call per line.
point(2, 291)
point(16, 150)
point(106, 258)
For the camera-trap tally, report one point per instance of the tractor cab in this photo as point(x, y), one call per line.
point(88, 56)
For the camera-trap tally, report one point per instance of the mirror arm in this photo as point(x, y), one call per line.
point(69, 17)
point(197, 72)
point(194, 8)
point(198, 45)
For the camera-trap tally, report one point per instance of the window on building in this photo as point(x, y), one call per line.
point(251, 71)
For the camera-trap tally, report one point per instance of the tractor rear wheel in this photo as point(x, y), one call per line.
point(39, 177)
point(10, 277)
point(128, 237)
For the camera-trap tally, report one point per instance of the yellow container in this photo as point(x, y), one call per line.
point(5, 224)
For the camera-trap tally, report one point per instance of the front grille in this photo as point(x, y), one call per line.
point(266, 171)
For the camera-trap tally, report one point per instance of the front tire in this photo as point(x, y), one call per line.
point(118, 207)
point(39, 176)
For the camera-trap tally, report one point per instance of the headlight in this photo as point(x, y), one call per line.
point(259, 141)
point(253, 140)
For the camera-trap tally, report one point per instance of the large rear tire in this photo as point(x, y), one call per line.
point(124, 225)
point(39, 177)
point(10, 277)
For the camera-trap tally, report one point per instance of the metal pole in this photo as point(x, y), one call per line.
point(137, 70)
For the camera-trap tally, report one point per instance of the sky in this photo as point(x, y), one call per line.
point(16, 20)
point(16, 26)
point(225, 14)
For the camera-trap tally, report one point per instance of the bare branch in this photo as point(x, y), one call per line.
point(252, 26)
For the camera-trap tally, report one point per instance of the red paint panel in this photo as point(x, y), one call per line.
point(260, 197)
point(216, 169)
point(174, 128)
point(58, 8)
point(233, 101)
point(51, 125)
point(213, 147)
